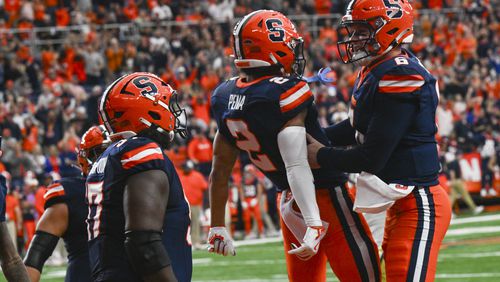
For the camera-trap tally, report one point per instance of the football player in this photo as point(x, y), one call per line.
point(266, 112)
point(391, 128)
point(65, 214)
point(138, 221)
point(12, 265)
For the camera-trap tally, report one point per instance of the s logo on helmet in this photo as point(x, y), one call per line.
point(275, 26)
point(394, 10)
point(144, 83)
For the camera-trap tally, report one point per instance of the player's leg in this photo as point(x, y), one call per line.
point(247, 219)
point(298, 270)
point(415, 228)
point(258, 218)
point(348, 244)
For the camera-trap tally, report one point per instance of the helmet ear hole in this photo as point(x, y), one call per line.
point(281, 54)
point(393, 31)
point(154, 115)
point(118, 114)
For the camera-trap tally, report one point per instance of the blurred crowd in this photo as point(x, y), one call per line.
point(57, 56)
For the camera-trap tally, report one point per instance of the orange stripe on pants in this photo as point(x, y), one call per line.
point(348, 245)
point(415, 228)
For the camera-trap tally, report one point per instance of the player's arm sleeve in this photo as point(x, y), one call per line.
point(341, 134)
point(293, 149)
point(144, 202)
point(52, 225)
point(224, 157)
point(391, 119)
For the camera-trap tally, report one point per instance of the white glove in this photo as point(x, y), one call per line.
point(220, 242)
point(253, 202)
point(310, 243)
point(244, 205)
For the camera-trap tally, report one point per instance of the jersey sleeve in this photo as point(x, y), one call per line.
point(218, 106)
point(294, 96)
point(55, 194)
point(141, 154)
point(402, 81)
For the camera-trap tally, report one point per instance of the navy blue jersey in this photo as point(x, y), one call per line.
point(250, 116)
point(71, 191)
point(3, 193)
point(393, 108)
point(106, 220)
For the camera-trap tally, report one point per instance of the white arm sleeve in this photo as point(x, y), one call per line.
point(293, 148)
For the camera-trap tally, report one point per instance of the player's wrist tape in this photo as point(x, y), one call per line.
point(145, 251)
point(41, 247)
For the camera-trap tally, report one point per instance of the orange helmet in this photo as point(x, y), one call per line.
point(375, 27)
point(94, 141)
point(267, 38)
point(142, 103)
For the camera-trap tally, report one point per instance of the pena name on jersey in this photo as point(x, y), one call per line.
point(71, 192)
point(401, 77)
point(106, 221)
point(250, 116)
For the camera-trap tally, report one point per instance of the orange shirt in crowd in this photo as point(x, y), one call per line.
point(200, 149)
point(11, 203)
point(62, 17)
point(12, 6)
point(115, 58)
point(194, 184)
point(31, 139)
point(51, 3)
point(201, 109)
point(178, 157)
point(39, 200)
point(209, 81)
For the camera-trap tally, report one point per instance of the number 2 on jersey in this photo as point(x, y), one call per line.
point(247, 141)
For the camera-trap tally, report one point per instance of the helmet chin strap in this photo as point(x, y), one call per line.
point(170, 134)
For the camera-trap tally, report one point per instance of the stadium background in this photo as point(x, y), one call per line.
point(57, 56)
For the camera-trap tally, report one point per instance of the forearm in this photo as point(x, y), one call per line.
point(341, 134)
point(12, 265)
point(33, 274)
point(14, 270)
point(218, 199)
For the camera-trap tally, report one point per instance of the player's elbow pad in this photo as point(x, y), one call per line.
point(293, 148)
point(41, 247)
point(146, 251)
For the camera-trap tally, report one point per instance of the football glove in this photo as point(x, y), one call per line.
point(310, 243)
point(220, 242)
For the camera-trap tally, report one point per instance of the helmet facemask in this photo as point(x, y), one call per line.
point(299, 64)
point(360, 43)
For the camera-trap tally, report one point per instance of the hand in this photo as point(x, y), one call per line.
point(312, 151)
point(310, 243)
point(220, 242)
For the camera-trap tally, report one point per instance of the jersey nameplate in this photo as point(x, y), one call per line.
point(236, 102)
point(98, 168)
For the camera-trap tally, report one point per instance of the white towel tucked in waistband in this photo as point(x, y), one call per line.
point(374, 195)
